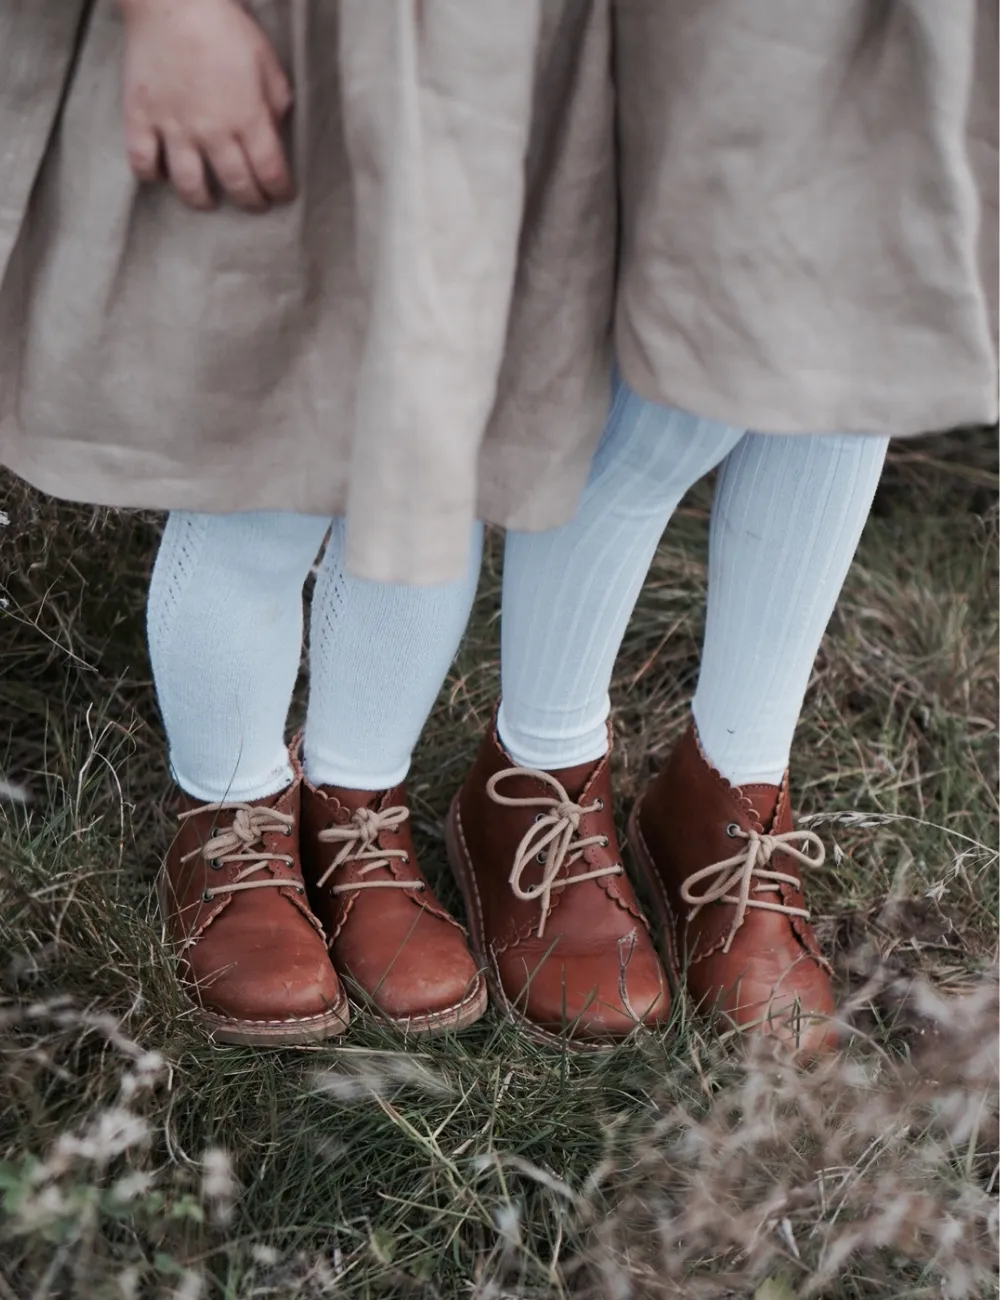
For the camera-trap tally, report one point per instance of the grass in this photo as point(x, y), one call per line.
point(136, 1160)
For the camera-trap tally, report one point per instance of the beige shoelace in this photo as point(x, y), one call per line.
point(747, 872)
point(360, 840)
point(550, 840)
point(237, 843)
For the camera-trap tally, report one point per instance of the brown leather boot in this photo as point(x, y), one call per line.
point(253, 956)
point(724, 868)
point(552, 913)
point(389, 936)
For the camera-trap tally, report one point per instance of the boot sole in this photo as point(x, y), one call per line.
point(272, 1033)
point(461, 869)
point(434, 1024)
point(263, 1033)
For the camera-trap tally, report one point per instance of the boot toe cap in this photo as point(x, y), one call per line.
point(792, 1003)
point(426, 974)
point(588, 994)
point(265, 982)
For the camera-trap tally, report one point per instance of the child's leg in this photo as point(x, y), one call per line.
point(225, 640)
point(717, 823)
point(379, 655)
point(577, 958)
point(786, 522)
point(225, 635)
point(568, 594)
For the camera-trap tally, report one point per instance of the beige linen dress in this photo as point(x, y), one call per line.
point(343, 353)
point(809, 211)
point(808, 241)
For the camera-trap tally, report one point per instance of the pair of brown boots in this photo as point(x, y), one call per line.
point(278, 908)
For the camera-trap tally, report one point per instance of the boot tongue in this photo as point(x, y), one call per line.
point(763, 800)
point(574, 780)
point(352, 800)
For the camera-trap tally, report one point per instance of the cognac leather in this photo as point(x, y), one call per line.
point(704, 845)
point(252, 955)
point(566, 955)
point(390, 938)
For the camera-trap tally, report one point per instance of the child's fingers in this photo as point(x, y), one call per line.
point(277, 87)
point(186, 169)
point(262, 146)
point(143, 147)
point(235, 173)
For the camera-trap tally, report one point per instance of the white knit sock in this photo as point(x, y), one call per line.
point(379, 654)
point(568, 594)
point(225, 641)
point(786, 522)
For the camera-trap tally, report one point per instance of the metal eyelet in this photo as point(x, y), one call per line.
point(605, 842)
point(405, 858)
point(299, 889)
point(207, 895)
point(287, 831)
point(541, 857)
point(539, 817)
point(215, 864)
point(732, 830)
point(599, 805)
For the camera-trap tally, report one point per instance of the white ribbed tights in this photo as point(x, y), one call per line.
point(786, 521)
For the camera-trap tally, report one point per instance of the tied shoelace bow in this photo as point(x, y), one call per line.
point(238, 843)
point(359, 837)
point(748, 873)
point(550, 839)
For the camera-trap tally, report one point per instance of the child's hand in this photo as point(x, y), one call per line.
point(204, 89)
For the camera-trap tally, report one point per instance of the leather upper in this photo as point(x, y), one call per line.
point(766, 966)
point(590, 964)
point(249, 953)
point(396, 944)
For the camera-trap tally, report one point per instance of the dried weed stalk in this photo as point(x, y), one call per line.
point(865, 1168)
